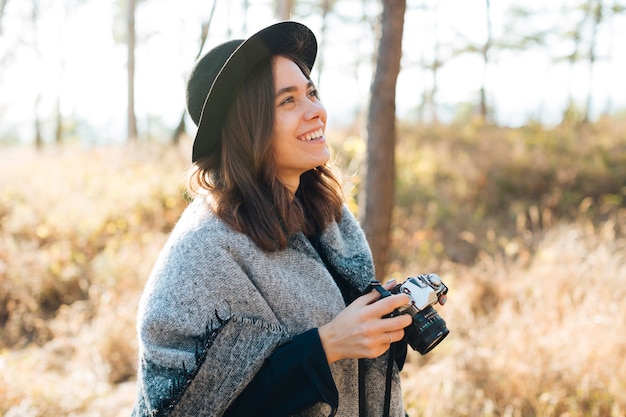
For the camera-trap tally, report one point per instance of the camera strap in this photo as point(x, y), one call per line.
point(388, 380)
point(390, 360)
point(345, 290)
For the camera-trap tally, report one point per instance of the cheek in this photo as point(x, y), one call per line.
point(285, 128)
point(280, 145)
point(280, 125)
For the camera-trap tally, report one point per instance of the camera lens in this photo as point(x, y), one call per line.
point(427, 331)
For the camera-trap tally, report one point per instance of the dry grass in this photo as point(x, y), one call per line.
point(535, 267)
point(545, 339)
point(80, 232)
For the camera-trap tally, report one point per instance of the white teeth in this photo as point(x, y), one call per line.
point(313, 135)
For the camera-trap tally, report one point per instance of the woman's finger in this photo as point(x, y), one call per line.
point(389, 304)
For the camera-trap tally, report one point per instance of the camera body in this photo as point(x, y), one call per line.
point(428, 329)
point(424, 290)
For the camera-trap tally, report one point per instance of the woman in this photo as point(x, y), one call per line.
point(255, 305)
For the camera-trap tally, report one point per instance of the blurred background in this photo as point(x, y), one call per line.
point(65, 74)
point(509, 182)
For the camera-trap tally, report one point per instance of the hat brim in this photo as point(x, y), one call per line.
point(276, 39)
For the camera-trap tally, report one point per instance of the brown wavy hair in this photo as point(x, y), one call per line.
point(241, 175)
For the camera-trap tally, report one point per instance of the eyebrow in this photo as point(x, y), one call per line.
point(291, 89)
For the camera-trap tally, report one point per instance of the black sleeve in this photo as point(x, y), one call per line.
point(295, 377)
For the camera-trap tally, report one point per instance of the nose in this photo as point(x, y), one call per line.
point(314, 110)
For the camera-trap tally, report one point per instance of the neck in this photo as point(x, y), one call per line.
point(291, 185)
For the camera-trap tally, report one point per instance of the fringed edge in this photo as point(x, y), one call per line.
point(184, 379)
point(180, 384)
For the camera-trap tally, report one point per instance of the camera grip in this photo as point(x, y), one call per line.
point(376, 285)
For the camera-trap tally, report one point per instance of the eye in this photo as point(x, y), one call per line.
point(314, 93)
point(287, 100)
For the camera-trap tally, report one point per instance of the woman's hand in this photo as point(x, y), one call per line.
point(360, 331)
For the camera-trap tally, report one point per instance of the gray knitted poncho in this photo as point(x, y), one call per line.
point(216, 306)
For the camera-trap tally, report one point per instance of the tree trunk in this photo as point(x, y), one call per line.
point(572, 60)
point(381, 128)
point(435, 66)
point(244, 20)
point(204, 33)
point(38, 135)
point(132, 120)
point(37, 120)
point(596, 11)
point(3, 4)
point(284, 9)
point(58, 131)
point(484, 111)
point(326, 8)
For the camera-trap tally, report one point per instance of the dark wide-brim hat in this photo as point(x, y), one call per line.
point(216, 76)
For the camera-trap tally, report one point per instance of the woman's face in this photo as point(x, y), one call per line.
point(298, 133)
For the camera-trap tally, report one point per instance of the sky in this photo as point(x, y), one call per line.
point(78, 59)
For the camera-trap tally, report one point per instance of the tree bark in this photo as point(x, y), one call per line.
point(381, 128)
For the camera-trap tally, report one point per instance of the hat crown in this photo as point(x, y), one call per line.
point(204, 74)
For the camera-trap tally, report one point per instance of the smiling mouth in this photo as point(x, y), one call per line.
point(312, 135)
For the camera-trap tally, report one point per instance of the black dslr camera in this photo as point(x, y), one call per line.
point(428, 328)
